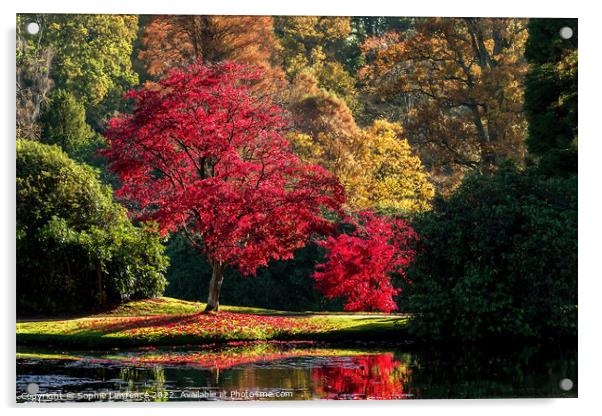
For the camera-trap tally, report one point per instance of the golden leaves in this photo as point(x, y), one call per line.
point(177, 41)
point(463, 79)
point(376, 165)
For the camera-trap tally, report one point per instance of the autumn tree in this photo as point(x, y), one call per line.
point(364, 27)
point(551, 96)
point(323, 124)
point(318, 44)
point(33, 80)
point(390, 176)
point(178, 41)
point(329, 48)
point(376, 165)
point(358, 266)
point(204, 156)
point(461, 81)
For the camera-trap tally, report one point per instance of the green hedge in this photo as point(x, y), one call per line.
point(76, 248)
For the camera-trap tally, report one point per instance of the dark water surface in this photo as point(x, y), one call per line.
point(294, 371)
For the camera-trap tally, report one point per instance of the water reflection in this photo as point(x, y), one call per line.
point(150, 381)
point(293, 371)
point(520, 371)
point(378, 376)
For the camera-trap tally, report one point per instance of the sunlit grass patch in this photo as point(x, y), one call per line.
point(167, 321)
point(172, 306)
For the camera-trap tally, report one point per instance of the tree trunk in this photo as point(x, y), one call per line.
point(217, 277)
point(100, 291)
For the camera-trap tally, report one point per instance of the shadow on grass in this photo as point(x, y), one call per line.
point(117, 324)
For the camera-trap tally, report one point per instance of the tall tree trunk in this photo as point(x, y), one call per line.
point(217, 277)
point(100, 291)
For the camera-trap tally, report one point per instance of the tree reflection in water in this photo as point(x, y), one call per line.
point(378, 376)
point(144, 380)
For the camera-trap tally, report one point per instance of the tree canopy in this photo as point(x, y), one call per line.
point(462, 84)
point(63, 121)
point(177, 41)
point(358, 265)
point(376, 165)
point(92, 53)
point(497, 259)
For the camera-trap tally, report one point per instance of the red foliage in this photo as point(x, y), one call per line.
point(223, 326)
point(378, 376)
point(359, 265)
point(200, 154)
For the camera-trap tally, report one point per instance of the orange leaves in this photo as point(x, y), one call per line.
point(164, 46)
point(463, 80)
point(178, 41)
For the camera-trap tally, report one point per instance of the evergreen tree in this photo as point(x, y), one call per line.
point(63, 121)
point(551, 96)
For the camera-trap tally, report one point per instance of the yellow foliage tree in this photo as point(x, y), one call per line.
point(461, 79)
point(315, 43)
point(389, 176)
point(376, 165)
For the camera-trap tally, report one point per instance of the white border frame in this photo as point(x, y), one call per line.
point(590, 155)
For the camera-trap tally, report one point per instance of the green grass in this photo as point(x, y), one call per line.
point(172, 306)
point(168, 321)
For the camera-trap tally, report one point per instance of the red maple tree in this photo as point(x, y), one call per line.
point(200, 154)
point(358, 266)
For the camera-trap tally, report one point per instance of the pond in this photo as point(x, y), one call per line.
point(295, 371)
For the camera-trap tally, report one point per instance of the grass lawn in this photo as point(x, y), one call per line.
point(168, 321)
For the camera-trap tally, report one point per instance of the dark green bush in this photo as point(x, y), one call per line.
point(497, 259)
point(76, 248)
